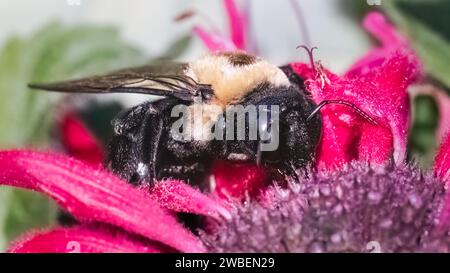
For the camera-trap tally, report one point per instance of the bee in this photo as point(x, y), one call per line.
point(144, 149)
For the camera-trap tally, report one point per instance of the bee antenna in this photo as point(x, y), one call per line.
point(345, 103)
point(310, 52)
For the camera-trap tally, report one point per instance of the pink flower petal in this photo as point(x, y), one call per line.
point(442, 161)
point(373, 59)
point(381, 93)
point(375, 143)
point(377, 25)
point(214, 42)
point(237, 24)
point(238, 180)
point(442, 170)
point(377, 84)
point(180, 197)
point(93, 195)
point(391, 68)
point(81, 240)
point(79, 141)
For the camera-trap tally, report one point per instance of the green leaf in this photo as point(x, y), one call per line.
point(24, 210)
point(356, 10)
point(426, 24)
point(422, 136)
point(177, 48)
point(55, 52)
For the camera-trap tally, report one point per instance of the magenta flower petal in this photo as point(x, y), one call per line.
point(391, 41)
point(80, 240)
point(377, 25)
point(214, 42)
point(377, 84)
point(237, 24)
point(381, 93)
point(442, 161)
point(238, 181)
point(442, 170)
point(93, 195)
point(180, 197)
point(79, 141)
point(390, 69)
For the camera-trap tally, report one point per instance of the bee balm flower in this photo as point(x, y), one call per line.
point(113, 215)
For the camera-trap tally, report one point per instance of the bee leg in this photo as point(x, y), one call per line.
point(133, 149)
point(143, 150)
point(150, 147)
point(124, 151)
point(165, 155)
point(155, 131)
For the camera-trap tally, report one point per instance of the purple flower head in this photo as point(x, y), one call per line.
point(392, 209)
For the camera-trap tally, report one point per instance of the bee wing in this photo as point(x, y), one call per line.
point(168, 79)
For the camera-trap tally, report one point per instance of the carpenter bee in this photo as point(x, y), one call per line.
point(144, 147)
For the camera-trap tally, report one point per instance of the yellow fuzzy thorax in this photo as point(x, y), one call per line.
point(233, 75)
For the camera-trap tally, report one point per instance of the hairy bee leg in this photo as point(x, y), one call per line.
point(124, 153)
point(169, 157)
point(135, 151)
point(151, 137)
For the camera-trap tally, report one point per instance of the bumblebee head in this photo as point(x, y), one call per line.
point(286, 136)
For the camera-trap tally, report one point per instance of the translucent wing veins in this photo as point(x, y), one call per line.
point(167, 79)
